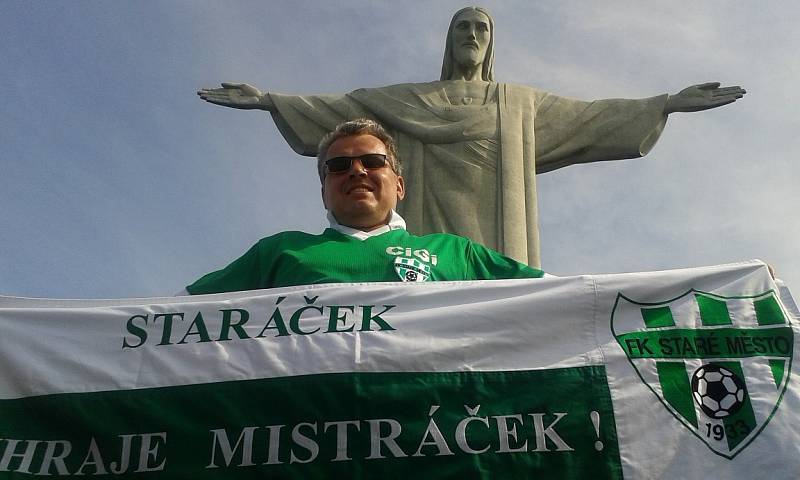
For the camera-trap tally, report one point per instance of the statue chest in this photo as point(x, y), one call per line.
point(470, 93)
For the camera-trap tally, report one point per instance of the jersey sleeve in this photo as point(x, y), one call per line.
point(487, 264)
point(243, 274)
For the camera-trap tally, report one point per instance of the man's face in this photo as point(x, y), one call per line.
point(358, 197)
point(471, 37)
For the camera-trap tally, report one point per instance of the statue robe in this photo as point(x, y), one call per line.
point(470, 165)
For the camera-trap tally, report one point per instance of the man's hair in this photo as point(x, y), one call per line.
point(360, 126)
point(487, 68)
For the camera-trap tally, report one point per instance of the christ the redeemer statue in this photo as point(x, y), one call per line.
point(472, 147)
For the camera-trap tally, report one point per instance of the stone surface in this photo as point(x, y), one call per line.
point(471, 146)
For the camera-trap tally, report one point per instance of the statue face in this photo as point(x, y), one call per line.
point(471, 37)
point(361, 198)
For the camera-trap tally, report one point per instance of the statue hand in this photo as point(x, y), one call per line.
point(702, 97)
point(236, 95)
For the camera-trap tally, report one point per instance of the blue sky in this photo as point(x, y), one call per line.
point(117, 181)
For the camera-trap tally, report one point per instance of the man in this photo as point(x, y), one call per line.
point(474, 146)
point(362, 182)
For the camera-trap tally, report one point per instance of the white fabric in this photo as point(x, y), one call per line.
point(396, 222)
point(75, 346)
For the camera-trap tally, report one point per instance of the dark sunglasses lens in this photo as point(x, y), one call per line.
point(370, 161)
point(373, 161)
point(339, 164)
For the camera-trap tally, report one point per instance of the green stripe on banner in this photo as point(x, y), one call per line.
point(768, 312)
point(517, 424)
point(713, 311)
point(741, 423)
point(777, 367)
point(658, 317)
point(676, 389)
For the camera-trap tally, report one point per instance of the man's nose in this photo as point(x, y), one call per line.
point(357, 168)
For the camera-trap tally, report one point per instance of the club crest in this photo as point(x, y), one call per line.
point(411, 269)
point(719, 364)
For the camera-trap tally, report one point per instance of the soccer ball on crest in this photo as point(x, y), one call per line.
point(717, 391)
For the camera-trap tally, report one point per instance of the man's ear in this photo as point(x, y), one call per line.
point(322, 191)
point(401, 188)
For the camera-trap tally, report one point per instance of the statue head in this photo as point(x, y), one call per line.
point(452, 51)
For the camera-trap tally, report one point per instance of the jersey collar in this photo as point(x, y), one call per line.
point(396, 222)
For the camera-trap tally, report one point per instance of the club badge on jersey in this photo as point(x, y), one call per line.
point(411, 269)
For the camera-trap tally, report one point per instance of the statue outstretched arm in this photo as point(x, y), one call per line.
point(302, 120)
point(702, 97)
point(237, 95)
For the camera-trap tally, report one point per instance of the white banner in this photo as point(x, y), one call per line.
point(698, 365)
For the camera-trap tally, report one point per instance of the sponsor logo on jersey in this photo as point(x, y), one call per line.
point(420, 254)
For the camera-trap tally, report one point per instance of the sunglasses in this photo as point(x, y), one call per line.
point(370, 161)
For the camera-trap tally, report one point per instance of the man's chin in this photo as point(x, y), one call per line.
point(362, 214)
point(361, 202)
